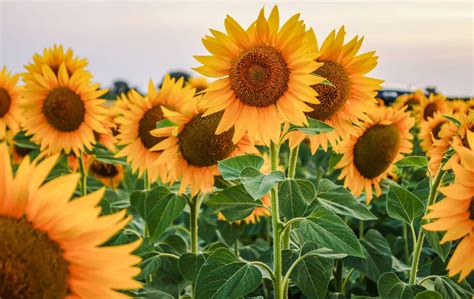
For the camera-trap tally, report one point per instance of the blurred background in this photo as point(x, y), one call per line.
point(421, 44)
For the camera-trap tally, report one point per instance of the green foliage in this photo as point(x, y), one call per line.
point(231, 168)
point(295, 197)
point(403, 205)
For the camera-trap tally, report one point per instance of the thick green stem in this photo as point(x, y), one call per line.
point(338, 276)
point(195, 207)
point(293, 162)
point(421, 234)
point(146, 182)
point(83, 169)
point(405, 239)
point(277, 258)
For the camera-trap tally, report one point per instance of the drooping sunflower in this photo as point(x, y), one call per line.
point(410, 100)
point(369, 154)
point(140, 117)
point(191, 148)
point(435, 103)
point(351, 96)
point(429, 130)
point(455, 213)
point(51, 246)
point(450, 135)
point(109, 174)
point(10, 97)
point(199, 83)
point(265, 76)
point(61, 108)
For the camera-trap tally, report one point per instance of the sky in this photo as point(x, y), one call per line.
point(419, 43)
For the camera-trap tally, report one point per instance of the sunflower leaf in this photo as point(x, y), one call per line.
point(413, 161)
point(403, 205)
point(390, 286)
point(295, 197)
point(258, 184)
point(453, 120)
point(314, 127)
point(164, 123)
point(231, 168)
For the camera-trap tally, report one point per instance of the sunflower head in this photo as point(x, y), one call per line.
point(109, 174)
point(430, 130)
point(10, 97)
point(428, 108)
point(265, 75)
point(368, 155)
point(411, 100)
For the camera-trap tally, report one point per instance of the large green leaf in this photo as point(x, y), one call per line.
point(442, 250)
point(325, 228)
point(161, 209)
point(258, 184)
point(234, 202)
point(403, 205)
point(231, 168)
point(230, 232)
point(413, 161)
point(450, 289)
point(378, 256)
point(295, 197)
point(314, 127)
point(391, 287)
point(339, 200)
point(428, 295)
point(189, 265)
point(224, 276)
point(312, 274)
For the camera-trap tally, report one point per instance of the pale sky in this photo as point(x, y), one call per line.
point(419, 43)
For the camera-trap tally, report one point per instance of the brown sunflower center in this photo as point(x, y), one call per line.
point(437, 129)
point(104, 170)
point(332, 98)
point(64, 109)
point(471, 209)
point(200, 146)
point(259, 76)
point(411, 103)
point(31, 264)
point(376, 150)
point(5, 101)
point(148, 123)
point(464, 140)
point(430, 110)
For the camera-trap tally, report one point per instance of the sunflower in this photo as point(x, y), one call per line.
point(192, 149)
point(54, 57)
point(435, 103)
point(140, 117)
point(352, 94)
point(265, 76)
point(40, 218)
point(256, 214)
point(10, 96)
point(430, 129)
point(410, 100)
point(458, 106)
point(455, 213)
point(109, 174)
point(199, 83)
point(62, 110)
point(369, 154)
point(449, 135)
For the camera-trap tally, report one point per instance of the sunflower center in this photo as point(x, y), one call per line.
point(332, 98)
point(437, 129)
point(5, 102)
point(104, 170)
point(471, 209)
point(64, 109)
point(376, 149)
point(259, 76)
point(430, 110)
point(200, 146)
point(31, 264)
point(148, 123)
point(411, 103)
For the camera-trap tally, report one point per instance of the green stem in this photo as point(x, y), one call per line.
point(338, 276)
point(346, 281)
point(361, 229)
point(146, 182)
point(293, 162)
point(195, 207)
point(83, 169)
point(236, 248)
point(421, 234)
point(266, 267)
point(405, 238)
point(277, 258)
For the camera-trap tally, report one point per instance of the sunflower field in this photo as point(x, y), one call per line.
point(277, 174)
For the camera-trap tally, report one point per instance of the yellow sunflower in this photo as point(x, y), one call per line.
point(369, 154)
point(54, 57)
point(109, 174)
point(435, 103)
point(199, 83)
point(450, 135)
point(458, 106)
point(51, 246)
point(429, 130)
point(351, 96)
point(265, 76)
point(192, 149)
point(62, 110)
point(410, 100)
point(10, 96)
point(140, 117)
point(455, 213)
